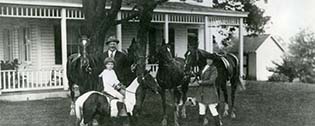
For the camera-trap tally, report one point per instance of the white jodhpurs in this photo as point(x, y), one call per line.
point(212, 108)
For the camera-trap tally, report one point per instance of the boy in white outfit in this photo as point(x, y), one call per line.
point(111, 83)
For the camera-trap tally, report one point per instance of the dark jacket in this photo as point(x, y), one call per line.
point(207, 88)
point(121, 65)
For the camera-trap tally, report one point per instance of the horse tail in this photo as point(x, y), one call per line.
point(237, 64)
point(238, 78)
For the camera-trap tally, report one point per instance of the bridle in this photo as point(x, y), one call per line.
point(192, 70)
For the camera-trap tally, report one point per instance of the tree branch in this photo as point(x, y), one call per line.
point(125, 20)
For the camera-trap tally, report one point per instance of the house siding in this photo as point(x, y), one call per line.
point(129, 31)
point(180, 40)
point(41, 37)
point(1, 44)
point(47, 44)
point(268, 52)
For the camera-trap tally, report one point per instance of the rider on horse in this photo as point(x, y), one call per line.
point(112, 85)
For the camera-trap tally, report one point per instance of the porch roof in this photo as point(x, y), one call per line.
point(168, 7)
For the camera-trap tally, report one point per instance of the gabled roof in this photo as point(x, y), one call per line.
point(251, 44)
point(168, 7)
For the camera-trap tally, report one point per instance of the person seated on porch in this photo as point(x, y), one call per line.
point(112, 85)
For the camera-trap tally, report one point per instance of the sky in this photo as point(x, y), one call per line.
point(288, 17)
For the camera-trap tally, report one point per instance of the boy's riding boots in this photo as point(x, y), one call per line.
point(217, 121)
point(203, 120)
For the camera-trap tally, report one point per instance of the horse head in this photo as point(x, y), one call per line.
point(192, 58)
point(163, 54)
point(85, 63)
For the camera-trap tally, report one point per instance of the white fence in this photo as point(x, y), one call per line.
point(25, 80)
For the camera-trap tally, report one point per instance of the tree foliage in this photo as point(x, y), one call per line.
point(255, 22)
point(300, 61)
point(287, 68)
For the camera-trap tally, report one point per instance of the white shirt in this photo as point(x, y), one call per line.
point(110, 52)
point(204, 69)
point(109, 78)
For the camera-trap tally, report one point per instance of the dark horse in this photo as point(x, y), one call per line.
point(228, 69)
point(82, 73)
point(96, 105)
point(171, 76)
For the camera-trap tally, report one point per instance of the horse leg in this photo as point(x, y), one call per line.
point(233, 91)
point(72, 98)
point(184, 98)
point(137, 111)
point(164, 120)
point(226, 99)
point(176, 98)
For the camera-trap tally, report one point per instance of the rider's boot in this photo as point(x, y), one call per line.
point(217, 121)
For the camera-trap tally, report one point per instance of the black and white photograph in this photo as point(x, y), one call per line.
point(157, 63)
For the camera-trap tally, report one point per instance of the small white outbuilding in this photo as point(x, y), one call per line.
point(259, 54)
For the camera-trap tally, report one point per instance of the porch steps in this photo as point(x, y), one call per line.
point(33, 95)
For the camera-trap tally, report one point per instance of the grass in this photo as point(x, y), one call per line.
point(262, 104)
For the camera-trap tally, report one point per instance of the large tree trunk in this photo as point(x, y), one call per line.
point(98, 22)
point(145, 8)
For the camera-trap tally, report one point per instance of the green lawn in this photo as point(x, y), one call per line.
point(262, 104)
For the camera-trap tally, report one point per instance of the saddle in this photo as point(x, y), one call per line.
point(227, 65)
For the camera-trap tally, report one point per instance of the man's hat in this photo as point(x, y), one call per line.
point(112, 39)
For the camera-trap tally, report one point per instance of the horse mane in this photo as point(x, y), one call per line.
point(206, 54)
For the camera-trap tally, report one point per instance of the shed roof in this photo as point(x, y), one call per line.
point(251, 44)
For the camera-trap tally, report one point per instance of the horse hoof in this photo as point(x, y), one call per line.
point(94, 123)
point(72, 113)
point(184, 115)
point(164, 122)
point(233, 115)
point(225, 114)
point(176, 124)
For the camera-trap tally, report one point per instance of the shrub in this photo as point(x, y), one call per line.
point(276, 77)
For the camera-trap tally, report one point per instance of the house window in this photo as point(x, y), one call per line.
point(24, 39)
point(8, 45)
point(192, 37)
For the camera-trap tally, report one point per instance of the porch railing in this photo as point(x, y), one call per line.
point(47, 78)
point(25, 80)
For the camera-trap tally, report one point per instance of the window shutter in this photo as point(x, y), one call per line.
point(6, 42)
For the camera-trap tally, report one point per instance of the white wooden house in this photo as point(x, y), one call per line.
point(42, 33)
point(259, 53)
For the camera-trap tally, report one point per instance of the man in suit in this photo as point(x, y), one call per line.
point(120, 58)
point(208, 93)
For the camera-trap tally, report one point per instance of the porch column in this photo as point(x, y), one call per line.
point(166, 29)
point(64, 47)
point(241, 48)
point(119, 31)
point(208, 43)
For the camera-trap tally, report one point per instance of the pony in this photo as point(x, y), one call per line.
point(228, 69)
point(82, 72)
point(171, 76)
point(96, 105)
